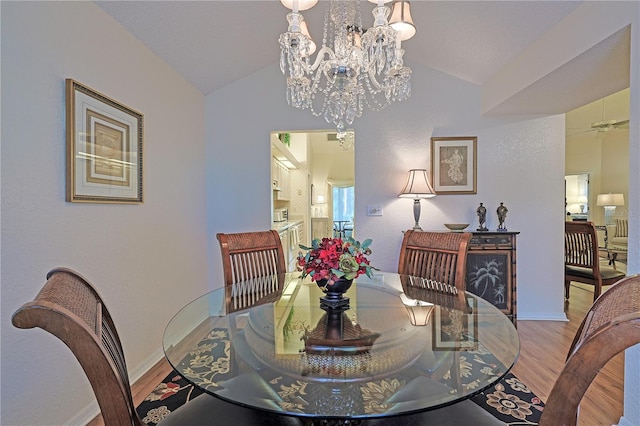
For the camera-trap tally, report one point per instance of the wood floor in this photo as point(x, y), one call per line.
point(544, 346)
point(543, 350)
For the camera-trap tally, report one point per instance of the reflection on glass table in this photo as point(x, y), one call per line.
point(397, 347)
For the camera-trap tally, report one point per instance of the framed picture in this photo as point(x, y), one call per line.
point(453, 328)
point(104, 148)
point(454, 165)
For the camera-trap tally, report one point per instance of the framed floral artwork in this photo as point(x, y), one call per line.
point(454, 328)
point(104, 148)
point(454, 164)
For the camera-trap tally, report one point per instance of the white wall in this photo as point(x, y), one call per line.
point(146, 260)
point(516, 158)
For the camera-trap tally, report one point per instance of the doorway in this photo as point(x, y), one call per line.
point(597, 143)
point(576, 195)
point(318, 164)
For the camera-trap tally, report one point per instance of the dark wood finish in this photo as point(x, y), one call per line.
point(70, 308)
point(491, 269)
point(611, 326)
point(250, 261)
point(581, 262)
point(438, 256)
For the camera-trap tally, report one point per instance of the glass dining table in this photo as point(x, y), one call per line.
point(396, 345)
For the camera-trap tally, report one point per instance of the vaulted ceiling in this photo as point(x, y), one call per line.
point(213, 43)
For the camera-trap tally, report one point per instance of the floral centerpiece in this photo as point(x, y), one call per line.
point(332, 259)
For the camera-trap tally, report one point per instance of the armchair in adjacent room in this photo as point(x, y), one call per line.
point(618, 234)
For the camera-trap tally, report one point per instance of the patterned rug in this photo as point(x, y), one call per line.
point(509, 400)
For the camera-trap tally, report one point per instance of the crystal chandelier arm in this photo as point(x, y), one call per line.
point(320, 58)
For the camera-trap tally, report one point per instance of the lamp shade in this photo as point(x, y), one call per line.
point(417, 186)
point(304, 29)
point(610, 200)
point(401, 20)
point(418, 310)
point(299, 4)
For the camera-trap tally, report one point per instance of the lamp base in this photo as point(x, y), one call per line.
point(609, 211)
point(416, 214)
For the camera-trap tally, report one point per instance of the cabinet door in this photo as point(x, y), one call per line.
point(286, 183)
point(489, 276)
point(283, 182)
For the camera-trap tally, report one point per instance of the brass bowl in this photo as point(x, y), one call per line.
point(456, 226)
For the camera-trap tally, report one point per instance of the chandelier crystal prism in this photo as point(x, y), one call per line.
point(354, 68)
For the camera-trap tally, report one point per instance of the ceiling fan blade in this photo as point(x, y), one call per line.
point(570, 133)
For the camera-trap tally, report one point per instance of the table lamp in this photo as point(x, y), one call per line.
point(582, 200)
point(417, 187)
point(419, 311)
point(609, 202)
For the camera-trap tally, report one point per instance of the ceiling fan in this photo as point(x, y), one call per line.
point(603, 125)
point(606, 125)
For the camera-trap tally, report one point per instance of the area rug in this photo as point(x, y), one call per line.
point(510, 400)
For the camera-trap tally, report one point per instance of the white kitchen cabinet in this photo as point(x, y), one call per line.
point(296, 233)
point(284, 239)
point(281, 179)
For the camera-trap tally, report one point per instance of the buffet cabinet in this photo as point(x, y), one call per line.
point(491, 269)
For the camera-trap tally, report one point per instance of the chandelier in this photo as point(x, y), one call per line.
point(355, 67)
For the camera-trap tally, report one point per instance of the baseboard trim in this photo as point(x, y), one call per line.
point(138, 372)
point(538, 317)
point(90, 412)
point(86, 415)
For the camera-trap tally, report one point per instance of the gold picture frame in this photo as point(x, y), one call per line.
point(456, 329)
point(104, 148)
point(454, 164)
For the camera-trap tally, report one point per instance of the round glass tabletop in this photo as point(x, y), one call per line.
point(396, 346)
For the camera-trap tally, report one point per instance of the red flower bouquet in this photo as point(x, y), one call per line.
point(334, 258)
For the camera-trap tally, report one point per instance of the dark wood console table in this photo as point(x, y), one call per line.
point(491, 269)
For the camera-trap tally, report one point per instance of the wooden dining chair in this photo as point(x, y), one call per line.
point(70, 308)
point(437, 256)
point(581, 260)
point(252, 263)
point(611, 326)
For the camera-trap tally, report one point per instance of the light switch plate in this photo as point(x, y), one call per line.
point(374, 210)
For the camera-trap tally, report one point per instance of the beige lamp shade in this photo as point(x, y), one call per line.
point(610, 200)
point(419, 311)
point(417, 186)
point(304, 29)
point(302, 4)
point(401, 20)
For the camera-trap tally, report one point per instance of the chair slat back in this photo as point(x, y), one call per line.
point(254, 266)
point(438, 256)
point(611, 326)
point(581, 245)
point(581, 260)
point(70, 308)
